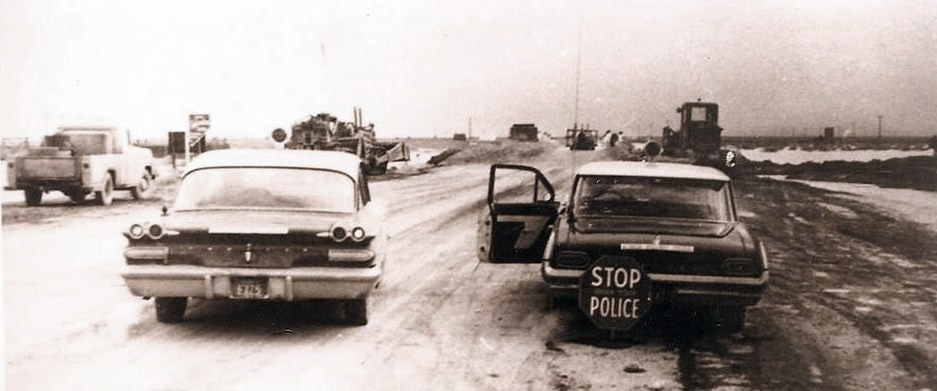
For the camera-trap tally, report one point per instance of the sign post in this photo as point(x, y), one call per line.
point(615, 293)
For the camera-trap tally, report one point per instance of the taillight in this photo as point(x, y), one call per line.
point(155, 231)
point(571, 259)
point(136, 231)
point(763, 254)
point(339, 234)
point(739, 266)
point(358, 234)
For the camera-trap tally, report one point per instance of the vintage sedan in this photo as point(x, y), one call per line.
point(631, 235)
point(262, 225)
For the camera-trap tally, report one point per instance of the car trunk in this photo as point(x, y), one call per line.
point(252, 239)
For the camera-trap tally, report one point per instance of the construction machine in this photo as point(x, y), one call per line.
point(699, 138)
point(581, 139)
point(325, 132)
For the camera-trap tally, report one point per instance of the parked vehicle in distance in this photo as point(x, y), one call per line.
point(631, 235)
point(82, 160)
point(524, 132)
point(262, 225)
point(581, 139)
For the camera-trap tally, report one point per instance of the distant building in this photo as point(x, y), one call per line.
point(829, 134)
point(459, 137)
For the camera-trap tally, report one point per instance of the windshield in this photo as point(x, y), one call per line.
point(652, 197)
point(266, 188)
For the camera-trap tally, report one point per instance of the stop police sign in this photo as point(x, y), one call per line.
point(615, 293)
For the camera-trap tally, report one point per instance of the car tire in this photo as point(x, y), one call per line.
point(106, 195)
point(33, 197)
point(77, 196)
point(170, 309)
point(356, 312)
point(730, 319)
point(140, 190)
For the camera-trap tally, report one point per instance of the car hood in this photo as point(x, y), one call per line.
point(654, 226)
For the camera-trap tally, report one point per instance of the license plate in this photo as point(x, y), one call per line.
point(249, 288)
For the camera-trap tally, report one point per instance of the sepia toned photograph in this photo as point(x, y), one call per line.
point(477, 195)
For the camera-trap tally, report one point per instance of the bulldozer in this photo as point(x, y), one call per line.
point(699, 138)
point(325, 132)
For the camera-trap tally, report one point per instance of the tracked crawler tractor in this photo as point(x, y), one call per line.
point(699, 139)
point(325, 132)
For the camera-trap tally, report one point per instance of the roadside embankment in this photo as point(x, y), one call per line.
point(915, 172)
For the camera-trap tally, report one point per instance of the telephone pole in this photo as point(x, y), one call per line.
point(880, 127)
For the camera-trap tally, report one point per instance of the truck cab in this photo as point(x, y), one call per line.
point(80, 160)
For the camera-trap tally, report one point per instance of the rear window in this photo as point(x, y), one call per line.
point(267, 188)
point(653, 197)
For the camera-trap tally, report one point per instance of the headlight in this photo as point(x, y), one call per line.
point(136, 231)
point(357, 234)
point(155, 231)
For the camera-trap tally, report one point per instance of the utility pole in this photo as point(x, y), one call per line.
point(470, 129)
point(879, 127)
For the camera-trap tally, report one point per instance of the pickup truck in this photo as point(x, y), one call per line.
point(79, 161)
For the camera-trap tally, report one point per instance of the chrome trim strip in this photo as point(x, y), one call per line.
point(575, 273)
point(710, 279)
point(548, 252)
point(258, 230)
point(679, 248)
point(701, 292)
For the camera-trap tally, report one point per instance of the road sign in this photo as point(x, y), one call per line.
point(199, 122)
point(615, 293)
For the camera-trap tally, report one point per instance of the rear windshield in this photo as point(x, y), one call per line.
point(267, 188)
point(652, 197)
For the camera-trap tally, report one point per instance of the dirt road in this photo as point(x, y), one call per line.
point(851, 306)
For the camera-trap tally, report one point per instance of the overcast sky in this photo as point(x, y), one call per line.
point(423, 68)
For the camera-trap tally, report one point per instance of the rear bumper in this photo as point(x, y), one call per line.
point(48, 184)
point(282, 284)
point(674, 288)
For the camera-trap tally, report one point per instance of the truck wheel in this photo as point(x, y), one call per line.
point(170, 309)
point(138, 191)
point(356, 312)
point(106, 196)
point(77, 196)
point(33, 196)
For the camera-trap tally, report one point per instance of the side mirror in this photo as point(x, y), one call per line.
point(165, 210)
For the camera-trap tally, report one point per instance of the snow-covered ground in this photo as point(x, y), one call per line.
point(915, 205)
point(796, 156)
point(418, 157)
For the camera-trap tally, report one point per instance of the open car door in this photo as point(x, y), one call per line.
point(521, 211)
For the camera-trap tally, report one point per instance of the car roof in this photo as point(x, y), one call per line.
point(653, 170)
point(343, 162)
